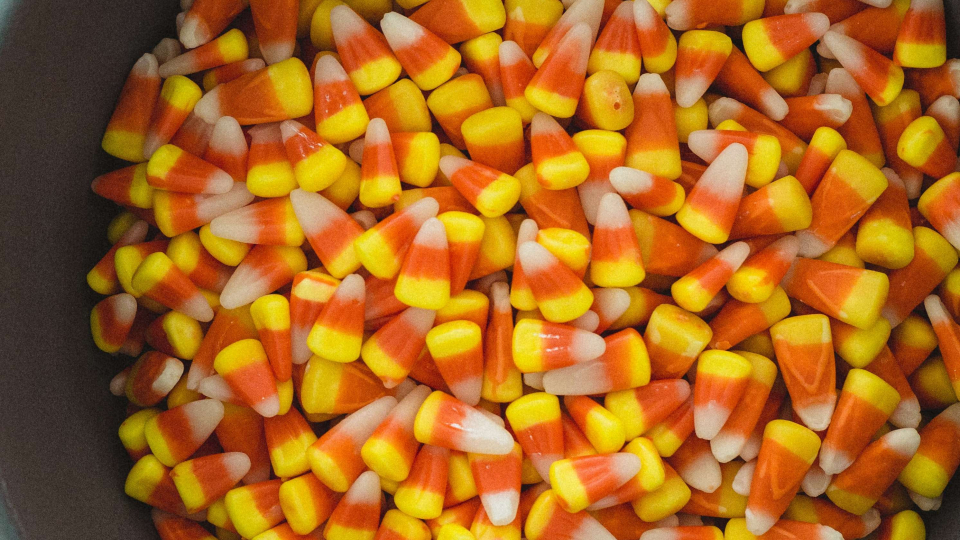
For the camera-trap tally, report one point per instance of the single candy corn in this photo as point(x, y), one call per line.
point(602, 428)
point(490, 191)
point(288, 437)
point(392, 350)
point(560, 294)
point(498, 483)
point(318, 218)
point(884, 236)
point(879, 77)
point(269, 171)
point(805, 353)
point(711, 206)
point(445, 421)
point(245, 367)
point(264, 270)
point(911, 342)
point(203, 480)
point(276, 27)
point(925, 146)
point(859, 487)
point(772, 41)
point(391, 448)
point(271, 221)
point(160, 280)
point(657, 43)
point(852, 295)
point(379, 176)
point(937, 205)
point(865, 403)
point(936, 459)
point(921, 40)
point(779, 207)
point(365, 53)
point(457, 349)
point(788, 450)
point(132, 435)
point(589, 13)
point(674, 338)
point(280, 91)
point(271, 315)
point(579, 482)
point(700, 56)
point(459, 20)
point(808, 113)
point(127, 129)
point(177, 99)
point(205, 20)
point(558, 83)
point(535, 420)
point(381, 248)
point(652, 143)
point(648, 192)
point(616, 258)
point(174, 435)
point(226, 49)
point(421, 494)
point(424, 278)
point(935, 255)
point(618, 46)
point(340, 115)
point(641, 408)
point(357, 515)
point(427, 59)
point(516, 70)
point(557, 161)
point(464, 234)
point(111, 320)
point(547, 519)
point(739, 80)
point(149, 482)
point(501, 377)
point(337, 332)
point(696, 289)
point(760, 274)
point(316, 163)
point(494, 137)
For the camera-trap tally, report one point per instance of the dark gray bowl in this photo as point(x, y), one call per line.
point(61, 466)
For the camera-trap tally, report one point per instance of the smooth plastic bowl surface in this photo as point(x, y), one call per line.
point(61, 466)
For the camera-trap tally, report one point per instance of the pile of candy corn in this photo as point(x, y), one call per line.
point(573, 270)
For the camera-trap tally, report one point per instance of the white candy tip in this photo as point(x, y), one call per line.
point(586, 345)
point(449, 165)
point(269, 407)
point(236, 464)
